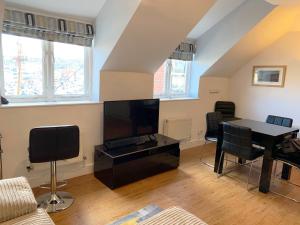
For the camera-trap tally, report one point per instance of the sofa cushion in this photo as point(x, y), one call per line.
point(174, 216)
point(16, 198)
point(38, 217)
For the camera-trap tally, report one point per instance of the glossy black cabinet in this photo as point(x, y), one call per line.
point(120, 166)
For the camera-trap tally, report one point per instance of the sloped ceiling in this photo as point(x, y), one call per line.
point(216, 13)
point(154, 31)
point(284, 2)
point(216, 42)
point(87, 9)
point(279, 22)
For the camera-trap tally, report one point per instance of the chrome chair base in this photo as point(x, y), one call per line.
point(237, 166)
point(60, 184)
point(275, 176)
point(55, 202)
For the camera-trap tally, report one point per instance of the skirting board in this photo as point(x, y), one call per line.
point(191, 144)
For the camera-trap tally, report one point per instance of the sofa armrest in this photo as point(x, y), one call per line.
point(16, 198)
point(173, 215)
point(39, 216)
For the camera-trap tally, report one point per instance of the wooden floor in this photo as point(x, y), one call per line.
point(193, 187)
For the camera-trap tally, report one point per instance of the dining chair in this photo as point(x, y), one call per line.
point(280, 121)
point(288, 153)
point(213, 119)
point(237, 141)
point(227, 109)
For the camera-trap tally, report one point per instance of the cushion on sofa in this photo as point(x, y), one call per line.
point(174, 216)
point(16, 198)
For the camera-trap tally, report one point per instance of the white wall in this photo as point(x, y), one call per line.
point(16, 122)
point(114, 14)
point(257, 102)
point(1, 24)
point(125, 85)
point(196, 109)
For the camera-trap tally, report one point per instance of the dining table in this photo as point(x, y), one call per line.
point(265, 135)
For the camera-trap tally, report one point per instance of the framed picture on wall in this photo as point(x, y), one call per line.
point(269, 76)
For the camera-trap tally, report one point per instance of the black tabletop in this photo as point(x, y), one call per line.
point(264, 128)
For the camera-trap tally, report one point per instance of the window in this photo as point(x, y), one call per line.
point(37, 70)
point(172, 79)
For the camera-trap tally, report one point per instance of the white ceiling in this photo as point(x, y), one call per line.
point(75, 8)
point(216, 13)
point(284, 2)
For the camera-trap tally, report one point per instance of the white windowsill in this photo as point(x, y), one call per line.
point(42, 104)
point(179, 99)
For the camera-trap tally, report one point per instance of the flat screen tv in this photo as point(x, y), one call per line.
point(130, 118)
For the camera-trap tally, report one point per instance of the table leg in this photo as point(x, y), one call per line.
point(286, 172)
point(219, 151)
point(266, 173)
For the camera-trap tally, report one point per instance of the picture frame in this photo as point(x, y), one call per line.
point(269, 76)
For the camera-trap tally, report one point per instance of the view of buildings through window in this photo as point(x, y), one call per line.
point(23, 66)
point(172, 79)
point(68, 69)
point(38, 69)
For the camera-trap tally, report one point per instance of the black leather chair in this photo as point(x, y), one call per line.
point(289, 155)
point(213, 119)
point(50, 144)
point(237, 141)
point(227, 109)
point(280, 121)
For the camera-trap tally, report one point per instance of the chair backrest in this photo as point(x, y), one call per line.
point(280, 121)
point(213, 119)
point(53, 143)
point(237, 140)
point(226, 108)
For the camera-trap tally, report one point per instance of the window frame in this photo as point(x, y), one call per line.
point(48, 95)
point(167, 85)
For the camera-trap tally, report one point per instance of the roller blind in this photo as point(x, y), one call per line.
point(185, 51)
point(47, 28)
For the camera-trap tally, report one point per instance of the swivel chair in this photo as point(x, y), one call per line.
point(50, 144)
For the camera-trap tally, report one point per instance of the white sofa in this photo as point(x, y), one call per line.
point(18, 205)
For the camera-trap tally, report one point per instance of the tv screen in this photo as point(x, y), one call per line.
point(132, 118)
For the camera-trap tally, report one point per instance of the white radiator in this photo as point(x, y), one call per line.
point(179, 129)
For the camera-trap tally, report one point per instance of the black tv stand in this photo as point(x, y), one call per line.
point(119, 166)
point(120, 143)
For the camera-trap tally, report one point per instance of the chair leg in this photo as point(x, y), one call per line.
point(275, 169)
point(293, 199)
point(205, 163)
point(249, 175)
point(288, 182)
point(55, 200)
point(221, 157)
